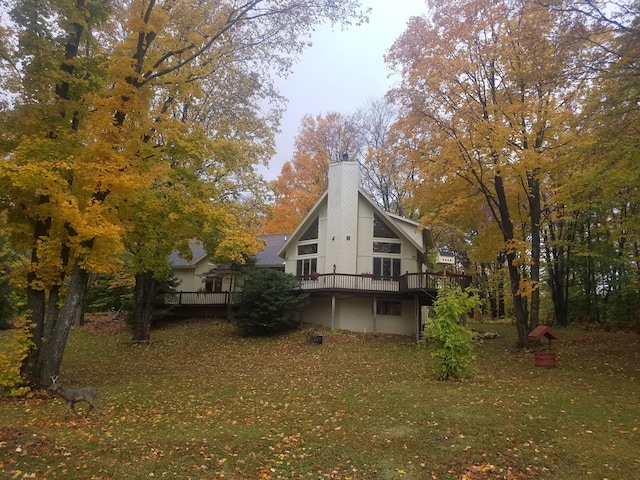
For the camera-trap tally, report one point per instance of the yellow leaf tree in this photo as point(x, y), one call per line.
point(488, 94)
point(100, 103)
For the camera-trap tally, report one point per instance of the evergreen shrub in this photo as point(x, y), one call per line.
point(269, 303)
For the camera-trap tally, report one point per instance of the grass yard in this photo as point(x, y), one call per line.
point(199, 402)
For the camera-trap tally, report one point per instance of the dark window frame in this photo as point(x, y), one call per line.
point(311, 233)
point(381, 229)
point(387, 268)
point(308, 249)
point(305, 267)
point(389, 308)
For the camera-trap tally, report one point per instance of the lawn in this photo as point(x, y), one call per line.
point(200, 402)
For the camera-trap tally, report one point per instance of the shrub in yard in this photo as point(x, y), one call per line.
point(269, 303)
point(452, 342)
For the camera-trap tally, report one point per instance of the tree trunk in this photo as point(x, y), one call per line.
point(36, 305)
point(514, 274)
point(144, 294)
point(51, 358)
point(535, 215)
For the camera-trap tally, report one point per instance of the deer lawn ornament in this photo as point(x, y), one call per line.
point(87, 394)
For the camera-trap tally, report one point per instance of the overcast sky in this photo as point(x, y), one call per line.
point(341, 71)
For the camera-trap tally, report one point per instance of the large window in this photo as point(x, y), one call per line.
point(386, 268)
point(213, 285)
point(381, 229)
point(312, 231)
point(388, 308)
point(305, 267)
point(308, 249)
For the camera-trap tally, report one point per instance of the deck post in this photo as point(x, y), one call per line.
point(333, 312)
point(375, 314)
point(416, 306)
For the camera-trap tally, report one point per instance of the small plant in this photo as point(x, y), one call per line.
point(452, 341)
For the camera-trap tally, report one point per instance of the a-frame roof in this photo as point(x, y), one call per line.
point(392, 220)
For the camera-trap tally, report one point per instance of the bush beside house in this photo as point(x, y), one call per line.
point(269, 303)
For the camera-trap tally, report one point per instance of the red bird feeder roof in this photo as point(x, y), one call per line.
point(543, 331)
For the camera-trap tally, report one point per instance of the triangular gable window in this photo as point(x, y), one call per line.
point(381, 229)
point(312, 231)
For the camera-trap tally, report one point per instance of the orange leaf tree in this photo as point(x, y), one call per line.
point(320, 140)
point(366, 136)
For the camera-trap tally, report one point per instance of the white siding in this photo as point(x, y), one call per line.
point(355, 314)
point(342, 219)
point(193, 279)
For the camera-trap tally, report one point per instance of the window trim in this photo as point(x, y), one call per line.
point(393, 308)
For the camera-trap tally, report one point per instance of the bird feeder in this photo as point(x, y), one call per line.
point(543, 358)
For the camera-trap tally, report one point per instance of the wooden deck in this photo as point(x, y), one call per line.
point(408, 284)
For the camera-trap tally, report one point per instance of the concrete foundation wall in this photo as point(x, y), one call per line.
point(355, 314)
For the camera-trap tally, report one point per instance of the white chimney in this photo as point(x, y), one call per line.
point(342, 215)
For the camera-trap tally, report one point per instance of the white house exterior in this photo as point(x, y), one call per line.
point(352, 258)
point(203, 283)
point(364, 268)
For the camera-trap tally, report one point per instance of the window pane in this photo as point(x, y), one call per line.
point(386, 247)
point(396, 268)
point(377, 267)
point(381, 229)
point(308, 249)
point(312, 231)
point(389, 308)
point(386, 268)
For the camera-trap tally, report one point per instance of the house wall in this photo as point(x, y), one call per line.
point(355, 314)
point(193, 279)
point(362, 240)
point(186, 278)
point(408, 257)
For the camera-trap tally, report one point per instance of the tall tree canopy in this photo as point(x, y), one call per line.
point(603, 197)
point(303, 179)
point(366, 136)
point(110, 106)
point(489, 93)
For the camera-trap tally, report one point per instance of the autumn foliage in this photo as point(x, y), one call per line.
point(490, 95)
point(303, 179)
point(129, 128)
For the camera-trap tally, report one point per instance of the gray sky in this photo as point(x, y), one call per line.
point(341, 71)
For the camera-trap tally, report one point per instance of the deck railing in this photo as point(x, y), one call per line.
point(341, 281)
point(367, 282)
point(409, 282)
point(198, 298)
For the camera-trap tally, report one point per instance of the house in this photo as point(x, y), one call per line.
point(365, 269)
point(207, 288)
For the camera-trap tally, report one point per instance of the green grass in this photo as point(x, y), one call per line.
point(199, 402)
